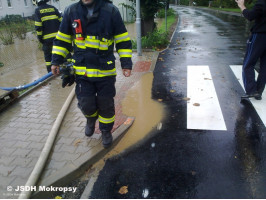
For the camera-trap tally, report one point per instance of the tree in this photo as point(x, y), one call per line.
point(148, 10)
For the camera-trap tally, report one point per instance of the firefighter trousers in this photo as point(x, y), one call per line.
point(47, 50)
point(256, 50)
point(96, 100)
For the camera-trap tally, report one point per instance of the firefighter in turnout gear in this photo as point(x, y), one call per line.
point(94, 27)
point(47, 22)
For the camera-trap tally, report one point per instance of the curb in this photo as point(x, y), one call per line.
point(72, 171)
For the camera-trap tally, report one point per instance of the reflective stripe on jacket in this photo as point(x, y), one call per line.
point(93, 50)
point(47, 21)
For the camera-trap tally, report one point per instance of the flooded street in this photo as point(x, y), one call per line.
point(25, 59)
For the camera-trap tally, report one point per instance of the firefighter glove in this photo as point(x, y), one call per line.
point(68, 75)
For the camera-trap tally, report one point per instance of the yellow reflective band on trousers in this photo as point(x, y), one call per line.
point(50, 17)
point(63, 37)
point(47, 10)
point(48, 63)
point(93, 115)
point(125, 53)
point(94, 72)
point(106, 120)
point(60, 19)
point(122, 37)
point(60, 51)
point(48, 36)
point(39, 32)
point(38, 23)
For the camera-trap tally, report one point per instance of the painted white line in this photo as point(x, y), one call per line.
point(260, 106)
point(203, 108)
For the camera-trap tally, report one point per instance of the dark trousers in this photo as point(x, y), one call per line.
point(96, 100)
point(256, 49)
point(47, 50)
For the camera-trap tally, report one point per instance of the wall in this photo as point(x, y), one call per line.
point(17, 8)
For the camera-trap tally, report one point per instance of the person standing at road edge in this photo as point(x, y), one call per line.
point(47, 22)
point(94, 26)
point(256, 49)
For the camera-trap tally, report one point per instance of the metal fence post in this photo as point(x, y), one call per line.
point(138, 27)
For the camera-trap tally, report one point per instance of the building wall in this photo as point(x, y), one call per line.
point(18, 7)
point(125, 12)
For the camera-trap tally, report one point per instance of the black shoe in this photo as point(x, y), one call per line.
point(90, 126)
point(107, 139)
point(256, 95)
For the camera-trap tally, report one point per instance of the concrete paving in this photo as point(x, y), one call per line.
point(24, 128)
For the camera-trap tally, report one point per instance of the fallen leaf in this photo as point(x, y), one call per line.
point(123, 190)
point(160, 100)
point(207, 79)
point(159, 126)
point(193, 173)
point(186, 99)
point(77, 142)
point(172, 91)
point(196, 104)
point(58, 197)
point(161, 59)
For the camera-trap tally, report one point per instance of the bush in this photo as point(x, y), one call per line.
point(1, 64)
point(7, 37)
point(170, 12)
point(9, 19)
point(154, 40)
point(20, 30)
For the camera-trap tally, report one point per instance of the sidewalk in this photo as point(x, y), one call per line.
point(24, 128)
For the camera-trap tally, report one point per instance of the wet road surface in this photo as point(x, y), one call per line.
point(223, 160)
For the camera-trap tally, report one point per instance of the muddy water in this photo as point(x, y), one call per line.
point(23, 62)
point(132, 31)
point(147, 112)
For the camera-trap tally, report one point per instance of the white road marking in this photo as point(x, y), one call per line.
point(260, 106)
point(203, 108)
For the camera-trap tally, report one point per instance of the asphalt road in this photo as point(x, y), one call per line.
point(210, 144)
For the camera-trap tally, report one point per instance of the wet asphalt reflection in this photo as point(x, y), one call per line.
point(176, 162)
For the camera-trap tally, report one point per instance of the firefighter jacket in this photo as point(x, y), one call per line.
point(93, 48)
point(47, 22)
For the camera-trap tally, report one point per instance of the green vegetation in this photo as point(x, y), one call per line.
point(13, 26)
point(1, 64)
point(237, 10)
point(7, 37)
point(159, 38)
point(170, 12)
point(226, 4)
point(170, 21)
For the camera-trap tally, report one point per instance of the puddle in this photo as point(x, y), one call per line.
point(23, 62)
point(132, 31)
point(147, 112)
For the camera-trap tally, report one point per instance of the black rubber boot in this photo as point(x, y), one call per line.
point(107, 139)
point(256, 95)
point(90, 126)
